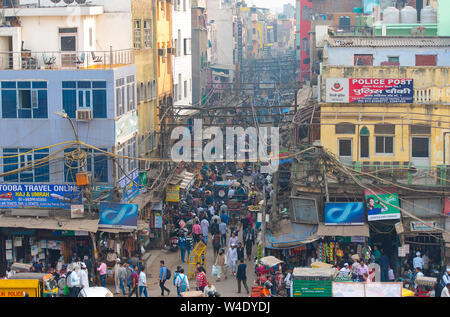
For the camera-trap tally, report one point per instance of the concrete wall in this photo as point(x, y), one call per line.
point(443, 18)
point(343, 56)
point(223, 18)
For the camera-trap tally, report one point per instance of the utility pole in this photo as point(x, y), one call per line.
point(263, 223)
point(275, 189)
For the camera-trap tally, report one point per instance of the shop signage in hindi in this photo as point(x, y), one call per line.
point(173, 194)
point(383, 207)
point(17, 242)
point(115, 215)
point(130, 186)
point(358, 239)
point(369, 90)
point(76, 211)
point(423, 226)
point(8, 254)
point(8, 244)
point(349, 213)
point(39, 196)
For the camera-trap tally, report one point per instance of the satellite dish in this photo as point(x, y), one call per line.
point(68, 1)
point(81, 1)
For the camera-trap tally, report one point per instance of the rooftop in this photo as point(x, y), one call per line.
point(388, 41)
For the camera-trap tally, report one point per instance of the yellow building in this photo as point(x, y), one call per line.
point(371, 135)
point(144, 43)
point(164, 68)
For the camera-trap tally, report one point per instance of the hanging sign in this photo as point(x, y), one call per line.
point(379, 208)
point(423, 226)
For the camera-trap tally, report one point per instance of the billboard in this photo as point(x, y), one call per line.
point(130, 186)
point(378, 209)
point(115, 215)
point(369, 90)
point(173, 194)
point(344, 213)
point(39, 196)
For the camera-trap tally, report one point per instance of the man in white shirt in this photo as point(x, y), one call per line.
point(211, 210)
point(84, 280)
point(418, 261)
point(346, 268)
point(142, 283)
point(418, 274)
point(231, 193)
point(205, 229)
point(75, 282)
point(288, 282)
point(181, 282)
point(445, 291)
point(426, 261)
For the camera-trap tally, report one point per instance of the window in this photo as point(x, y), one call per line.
point(12, 161)
point(394, 59)
point(78, 95)
point(128, 148)
point(384, 145)
point(364, 140)
point(90, 37)
point(384, 129)
point(184, 5)
point(426, 60)
point(137, 34)
point(179, 87)
point(142, 92)
point(345, 147)
point(305, 44)
point(154, 88)
point(420, 147)
point(147, 33)
point(363, 59)
point(178, 48)
point(96, 161)
point(345, 128)
point(149, 90)
point(185, 89)
point(175, 92)
point(24, 99)
point(187, 46)
point(417, 129)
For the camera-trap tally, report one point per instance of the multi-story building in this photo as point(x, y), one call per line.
point(182, 59)
point(67, 73)
point(164, 71)
point(199, 52)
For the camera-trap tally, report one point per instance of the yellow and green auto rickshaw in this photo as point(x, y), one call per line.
point(29, 284)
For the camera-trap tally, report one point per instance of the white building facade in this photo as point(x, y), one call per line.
point(182, 59)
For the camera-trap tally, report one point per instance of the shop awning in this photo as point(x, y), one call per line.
point(343, 231)
point(185, 180)
point(141, 225)
point(300, 234)
point(142, 200)
point(50, 223)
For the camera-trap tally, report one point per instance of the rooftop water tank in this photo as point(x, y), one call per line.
point(428, 15)
point(391, 15)
point(408, 15)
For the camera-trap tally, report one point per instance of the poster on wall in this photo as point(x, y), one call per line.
point(34, 250)
point(350, 213)
point(17, 242)
point(158, 221)
point(9, 254)
point(39, 196)
point(8, 244)
point(423, 225)
point(115, 215)
point(173, 194)
point(383, 207)
point(130, 186)
point(369, 90)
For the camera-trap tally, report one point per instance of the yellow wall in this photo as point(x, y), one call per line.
point(435, 113)
point(145, 67)
point(164, 40)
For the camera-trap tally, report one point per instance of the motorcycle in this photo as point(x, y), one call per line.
point(174, 238)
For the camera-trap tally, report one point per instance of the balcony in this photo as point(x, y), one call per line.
point(402, 173)
point(59, 60)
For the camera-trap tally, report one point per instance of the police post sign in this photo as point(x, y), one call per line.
point(369, 90)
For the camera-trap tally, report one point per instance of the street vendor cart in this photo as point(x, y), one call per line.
point(425, 286)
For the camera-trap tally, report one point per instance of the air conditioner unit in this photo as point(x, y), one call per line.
point(161, 52)
point(84, 115)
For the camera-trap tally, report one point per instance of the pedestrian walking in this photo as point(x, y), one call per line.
point(122, 278)
point(233, 240)
point(134, 282)
point(249, 240)
point(205, 229)
point(116, 275)
point(288, 282)
point(181, 282)
point(84, 277)
point(163, 277)
point(182, 245)
point(196, 232)
point(201, 280)
point(220, 263)
point(88, 263)
point(384, 265)
point(129, 270)
point(241, 275)
point(142, 282)
point(75, 282)
point(102, 272)
point(240, 252)
point(216, 243)
point(232, 258)
point(223, 233)
point(189, 244)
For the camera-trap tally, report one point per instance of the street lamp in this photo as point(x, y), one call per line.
point(64, 115)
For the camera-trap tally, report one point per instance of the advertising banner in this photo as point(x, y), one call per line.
point(344, 213)
point(39, 196)
point(114, 215)
point(423, 226)
point(378, 209)
point(369, 90)
point(447, 206)
point(130, 186)
point(173, 194)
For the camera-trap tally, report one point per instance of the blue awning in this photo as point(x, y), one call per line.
point(301, 234)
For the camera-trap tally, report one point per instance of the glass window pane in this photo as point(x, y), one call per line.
point(70, 102)
point(99, 84)
point(99, 103)
point(345, 148)
point(8, 84)
point(379, 144)
point(69, 84)
point(420, 147)
point(39, 84)
point(80, 99)
point(68, 43)
point(389, 144)
point(24, 99)
point(9, 104)
point(23, 84)
point(364, 146)
point(84, 84)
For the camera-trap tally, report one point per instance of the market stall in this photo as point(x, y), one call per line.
point(312, 282)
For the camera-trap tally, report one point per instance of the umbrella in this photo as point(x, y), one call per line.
point(270, 261)
point(355, 257)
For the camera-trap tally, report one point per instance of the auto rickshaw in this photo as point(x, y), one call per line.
point(29, 284)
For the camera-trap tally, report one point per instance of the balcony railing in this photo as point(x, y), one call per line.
point(59, 60)
point(404, 173)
